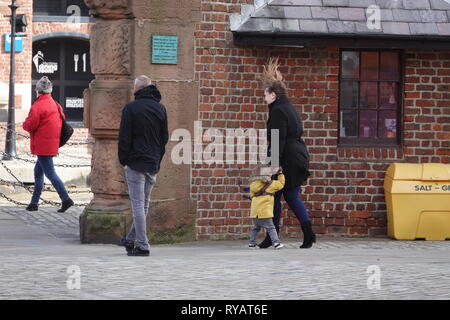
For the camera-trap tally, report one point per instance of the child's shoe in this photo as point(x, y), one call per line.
point(278, 246)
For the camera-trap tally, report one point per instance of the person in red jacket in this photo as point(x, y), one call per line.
point(44, 125)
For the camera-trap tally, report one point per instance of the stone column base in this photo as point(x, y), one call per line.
point(105, 223)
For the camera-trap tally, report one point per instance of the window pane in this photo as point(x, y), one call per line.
point(46, 60)
point(388, 95)
point(74, 103)
point(349, 94)
point(389, 69)
point(369, 63)
point(76, 7)
point(349, 122)
point(77, 62)
point(350, 64)
point(388, 124)
point(368, 124)
point(59, 8)
point(369, 95)
point(47, 7)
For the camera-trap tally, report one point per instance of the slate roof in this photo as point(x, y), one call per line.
point(399, 18)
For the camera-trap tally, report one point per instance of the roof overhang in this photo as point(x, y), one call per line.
point(290, 39)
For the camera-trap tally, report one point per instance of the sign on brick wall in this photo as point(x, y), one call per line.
point(18, 43)
point(164, 49)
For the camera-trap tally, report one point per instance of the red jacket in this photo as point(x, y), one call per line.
point(44, 125)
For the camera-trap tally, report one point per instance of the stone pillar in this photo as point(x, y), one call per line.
point(108, 216)
point(120, 51)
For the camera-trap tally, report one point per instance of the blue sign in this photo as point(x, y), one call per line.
point(18, 43)
point(164, 49)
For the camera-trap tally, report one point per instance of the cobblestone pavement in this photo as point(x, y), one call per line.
point(37, 251)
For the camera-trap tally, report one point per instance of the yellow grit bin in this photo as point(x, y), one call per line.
point(418, 201)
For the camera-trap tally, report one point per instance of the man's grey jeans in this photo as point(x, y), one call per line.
point(140, 186)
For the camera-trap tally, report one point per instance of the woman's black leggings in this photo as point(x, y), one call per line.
point(295, 203)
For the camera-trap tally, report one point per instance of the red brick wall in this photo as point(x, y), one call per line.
point(49, 27)
point(427, 107)
point(23, 59)
point(345, 193)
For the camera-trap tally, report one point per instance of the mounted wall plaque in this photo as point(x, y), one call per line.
point(164, 49)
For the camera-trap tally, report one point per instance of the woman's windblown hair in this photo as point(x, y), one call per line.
point(273, 79)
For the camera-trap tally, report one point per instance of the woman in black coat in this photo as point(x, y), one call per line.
point(293, 155)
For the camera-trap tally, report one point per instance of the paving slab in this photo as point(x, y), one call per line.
point(36, 262)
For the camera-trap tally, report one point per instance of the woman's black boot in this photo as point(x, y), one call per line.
point(32, 207)
point(308, 235)
point(267, 242)
point(66, 205)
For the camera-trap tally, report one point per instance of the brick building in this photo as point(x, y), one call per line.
point(57, 38)
point(369, 92)
point(371, 85)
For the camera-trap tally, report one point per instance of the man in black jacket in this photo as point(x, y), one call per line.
point(142, 140)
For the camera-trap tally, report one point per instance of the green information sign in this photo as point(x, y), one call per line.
point(164, 49)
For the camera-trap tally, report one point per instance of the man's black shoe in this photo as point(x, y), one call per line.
point(129, 245)
point(66, 205)
point(138, 252)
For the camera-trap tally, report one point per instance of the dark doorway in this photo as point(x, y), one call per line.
point(66, 62)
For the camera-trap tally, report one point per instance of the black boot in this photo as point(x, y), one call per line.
point(308, 235)
point(267, 242)
point(32, 207)
point(129, 245)
point(66, 205)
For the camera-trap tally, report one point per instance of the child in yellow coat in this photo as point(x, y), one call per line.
point(262, 190)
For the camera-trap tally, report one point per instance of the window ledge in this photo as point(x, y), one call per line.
point(368, 145)
point(43, 18)
point(370, 153)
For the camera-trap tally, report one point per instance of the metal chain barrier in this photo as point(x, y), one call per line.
point(29, 189)
point(79, 143)
point(9, 183)
point(56, 165)
point(67, 144)
point(12, 200)
point(26, 187)
point(46, 188)
point(65, 155)
point(18, 134)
